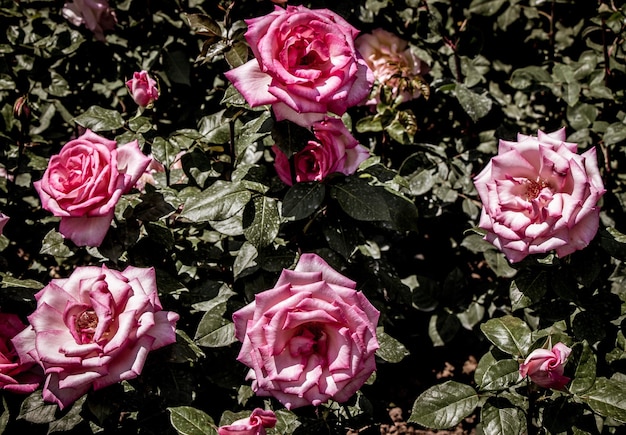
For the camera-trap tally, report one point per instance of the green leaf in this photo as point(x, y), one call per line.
point(360, 200)
point(500, 375)
point(219, 202)
point(71, 419)
point(523, 78)
point(54, 244)
point(486, 7)
point(475, 105)
point(499, 264)
point(10, 282)
point(35, 410)
point(391, 350)
point(191, 421)
point(445, 405)
point(245, 259)
point(585, 368)
point(502, 420)
point(302, 199)
point(214, 331)
point(261, 221)
point(99, 119)
point(509, 334)
point(533, 283)
point(237, 55)
point(607, 398)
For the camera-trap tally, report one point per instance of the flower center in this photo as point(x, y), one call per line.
point(534, 188)
point(310, 340)
point(86, 324)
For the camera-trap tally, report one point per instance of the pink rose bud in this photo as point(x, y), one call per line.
point(539, 195)
point(393, 63)
point(95, 329)
point(17, 376)
point(3, 221)
point(335, 150)
point(21, 110)
point(84, 182)
point(253, 425)
point(96, 15)
point(311, 338)
point(545, 367)
point(305, 65)
point(143, 89)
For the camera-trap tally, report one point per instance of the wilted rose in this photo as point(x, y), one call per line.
point(95, 328)
point(84, 182)
point(253, 425)
point(143, 89)
point(3, 221)
point(539, 195)
point(394, 64)
point(305, 65)
point(15, 375)
point(309, 339)
point(335, 150)
point(545, 367)
point(96, 15)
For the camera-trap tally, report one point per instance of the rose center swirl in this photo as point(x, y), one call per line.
point(86, 324)
point(309, 340)
point(534, 188)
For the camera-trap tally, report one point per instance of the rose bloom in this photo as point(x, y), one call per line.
point(95, 328)
point(335, 150)
point(305, 65)
point(539, 195)
point(390, 58)
point(96, 15)
point(253, 425)
point(143, 89)
point(3, 221)
point(309, 339)
point(545, 367)
point(84, 182)
point(15, 375)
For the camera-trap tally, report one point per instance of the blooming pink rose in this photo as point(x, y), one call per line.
point(15, 375)
point(143, 89)
point(96, 15)
point(306, 65)
point(539, 195)
point(334, 151)
point(393, 63)
point(545, 367)
point(95, 328)
point(3, 221)
point(253, 425)
point(310, 338)
point(84, 182)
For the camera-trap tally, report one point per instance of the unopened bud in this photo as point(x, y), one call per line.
point(21, 110)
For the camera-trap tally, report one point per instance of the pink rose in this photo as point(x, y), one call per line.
point(393, 63)
point(310, 338)
point(334, 151)
point(15, 375)
point(539, 195)
point(545, 367)
point(95, 328)
point(96, 15)
point(84, 182)
point(306, 65)
point(3, 221)
point(253, 425)
point(143, 89)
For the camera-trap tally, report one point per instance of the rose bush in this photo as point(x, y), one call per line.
point(335, 150)
point(305, 65)
point(143, 89)
point(393, 63)
point(96, 15)
point(15, 375)
point(84, 182)
point(545, 367)
point(309, 339)
point(254, 425)
point(95, 328)
point(538, 195)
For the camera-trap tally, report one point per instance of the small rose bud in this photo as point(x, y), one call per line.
point(21, 110)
